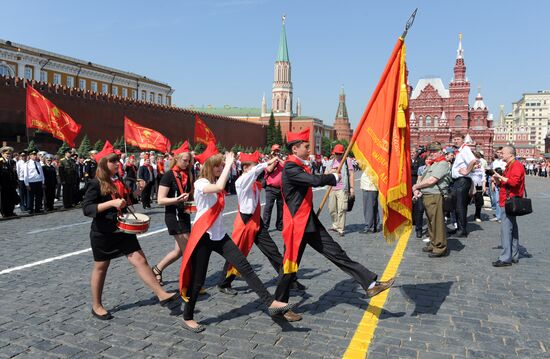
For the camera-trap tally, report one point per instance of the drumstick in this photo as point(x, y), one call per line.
point(131, 212)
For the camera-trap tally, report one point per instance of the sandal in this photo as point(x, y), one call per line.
point(158, 274)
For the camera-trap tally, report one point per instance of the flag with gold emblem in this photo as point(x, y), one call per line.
point(202, 133)
point(381, 145)
point(42, 114)
point(144, 138)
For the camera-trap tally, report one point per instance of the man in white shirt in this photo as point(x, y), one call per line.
point(34, 181)
point(464, 163)
point(497, 165)
point(23, 193)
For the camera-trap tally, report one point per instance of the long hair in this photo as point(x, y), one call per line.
point(104, 175)
point(188, 171)
point(207, 169)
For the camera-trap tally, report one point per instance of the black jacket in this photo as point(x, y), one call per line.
point(145, 174)
point(295, 183)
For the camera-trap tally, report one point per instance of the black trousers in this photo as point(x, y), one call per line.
point(68, 195)
point(478, 198)
point(49, 196)
point(36, 194)
point(461, 187)
point(266, 245)
point(418, 214)
point(272, 195)
point(24, 195)
point(229, 250)
point(323, 243)
point(146, 194)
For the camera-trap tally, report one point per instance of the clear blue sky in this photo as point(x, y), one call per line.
point(222, 51)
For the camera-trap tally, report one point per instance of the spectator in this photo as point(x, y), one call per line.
point(370, 204)
point(50, 183)
point(146, 181)
point(338, 197)
point(273, 179)
point(464, 163)
point(479, 184)
point(34, 180)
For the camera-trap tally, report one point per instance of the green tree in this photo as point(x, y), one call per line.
point(61, 150)
point(237, 148)
point(31, 146)
point(278, 137)
point(98, 146)
point(84, 147)
point(199, 148)
point(220, 148)
point(177, 145)
point(271, 130)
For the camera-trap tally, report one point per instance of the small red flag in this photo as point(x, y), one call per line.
point(202, 133)
point(144, 138)
point(45, 116)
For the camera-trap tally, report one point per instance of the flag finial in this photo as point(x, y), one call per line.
point(409, 24)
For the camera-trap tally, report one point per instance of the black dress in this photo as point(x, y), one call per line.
point(106, 240)
point(177, 221)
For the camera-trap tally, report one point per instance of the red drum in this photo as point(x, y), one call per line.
point(189, 207)
point(129, 224)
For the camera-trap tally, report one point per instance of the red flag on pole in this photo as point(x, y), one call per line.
point(144, 138)
point(45, 116)
point(202, 133)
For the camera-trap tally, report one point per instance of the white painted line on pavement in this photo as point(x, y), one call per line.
point(58, 227)
point(48, 260)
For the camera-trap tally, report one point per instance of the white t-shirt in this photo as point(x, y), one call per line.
point(204, 201)
point(245, 189)
point(464, 157)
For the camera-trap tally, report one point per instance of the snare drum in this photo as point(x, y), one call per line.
point(127, 223)
point(189, 207)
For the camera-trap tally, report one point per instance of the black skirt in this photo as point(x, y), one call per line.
point(177, 223)
point(107, 246)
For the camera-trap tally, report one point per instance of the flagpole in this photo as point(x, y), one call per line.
point(408, 25)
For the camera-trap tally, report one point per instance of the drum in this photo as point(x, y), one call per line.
point(127, 223)
point(189, 207)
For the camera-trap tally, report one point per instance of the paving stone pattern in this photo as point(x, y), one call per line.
point(454, 307)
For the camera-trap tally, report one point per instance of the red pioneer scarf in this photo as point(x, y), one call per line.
point(197, 231)
point(181, 178)
point(122, 191)
point(244, 234)
point(295, 226)
point(439, 159)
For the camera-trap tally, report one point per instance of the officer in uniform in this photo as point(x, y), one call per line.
point(68, 176)
point(8, 183)
point(90, 167)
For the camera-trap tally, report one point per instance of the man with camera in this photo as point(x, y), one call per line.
point(273, 180)
point(432, 185)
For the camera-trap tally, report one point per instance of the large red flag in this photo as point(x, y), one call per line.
point(45, 116)
point(202, 133)
point(382, 145)
point(144, 138)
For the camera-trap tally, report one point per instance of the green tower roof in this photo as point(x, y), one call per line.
point(283, 49)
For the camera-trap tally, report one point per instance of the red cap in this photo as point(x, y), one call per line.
point(132, 157)
point(338, 149)
point(184, 148)
point(276, 147)
point(117, 151)
point(298, 136)
point(250, 157)
point(210, 151)
point(107, 150)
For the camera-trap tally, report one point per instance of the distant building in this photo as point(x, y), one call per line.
point(437, 113)
point(341, 122)
point(509, 130)
point(26, 62)
point(281, 104)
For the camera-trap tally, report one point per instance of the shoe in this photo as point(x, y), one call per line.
point(274, 311)
point(500, 263)
point(106, 316)
point(427, 249)
point(426, 240)
point(494, 219)
point(158, 274)
point(463, 235)
point(290, 316)
point(227, 290)
point(341, 234)
point(380, 287)
point(497, 247)
point(164, 303)
point(452, 231)
point(364, 231)
point(198, 329)
point(478, 220)
point(439, 255)
point(418, 234)
point(297, 286)
point(515, 261)
point(202, 291)
point(333, 229)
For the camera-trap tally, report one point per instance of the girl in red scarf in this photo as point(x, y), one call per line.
point(103, 200)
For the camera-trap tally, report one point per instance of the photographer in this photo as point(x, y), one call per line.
point(273, 180)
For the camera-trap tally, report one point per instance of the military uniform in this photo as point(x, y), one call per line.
point(68, 176)
point(90, 167)
point(8, 184)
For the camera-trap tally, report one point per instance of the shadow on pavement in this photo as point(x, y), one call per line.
point(454, 244)
point(427, 297)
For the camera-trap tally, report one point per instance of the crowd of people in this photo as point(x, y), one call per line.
point(446, 180)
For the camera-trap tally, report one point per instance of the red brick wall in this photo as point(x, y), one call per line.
point(101, 117)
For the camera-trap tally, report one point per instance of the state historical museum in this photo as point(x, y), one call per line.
point(437, 113)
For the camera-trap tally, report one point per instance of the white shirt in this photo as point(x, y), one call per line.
point(204, 201)
point(245, 189)
point(33, 172)
point(498, 163)
point(478, 176)
point(367, 184)
point(464, 157)
point(20, 166)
